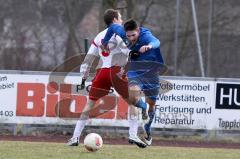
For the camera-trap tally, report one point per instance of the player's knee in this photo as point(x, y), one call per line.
point(151, 103)
point(134, 88)
point(133, 99)
point(134, 93)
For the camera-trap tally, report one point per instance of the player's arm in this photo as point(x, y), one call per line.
point(150, 41)
point(87, 63)
point(132, 54)
point(92, 54)
point(113, 29)
point(122, 46)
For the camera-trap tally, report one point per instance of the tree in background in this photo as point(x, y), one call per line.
point(41, 35)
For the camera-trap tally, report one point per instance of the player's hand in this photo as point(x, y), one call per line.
point(133, 54)
point(83, 84)
point(145, 48)
point(104, 48)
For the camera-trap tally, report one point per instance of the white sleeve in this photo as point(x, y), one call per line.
point(88, 60)
point(93, 50)
point(122, 45)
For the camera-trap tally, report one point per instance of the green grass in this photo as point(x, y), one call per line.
point(43, 150)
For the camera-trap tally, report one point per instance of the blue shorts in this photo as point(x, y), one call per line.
point(148, 82)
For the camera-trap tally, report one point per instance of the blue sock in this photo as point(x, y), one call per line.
point(151, 116)
point(141, 104)
point(147, 126)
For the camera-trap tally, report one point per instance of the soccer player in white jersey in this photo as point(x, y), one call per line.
point(109, 74)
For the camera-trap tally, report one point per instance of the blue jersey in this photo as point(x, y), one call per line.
point(144, 70)
point(145, 38)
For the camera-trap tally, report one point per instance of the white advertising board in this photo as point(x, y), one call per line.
point(33, 99)
point(187, 104)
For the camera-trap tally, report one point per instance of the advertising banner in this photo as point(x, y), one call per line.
point(186, 103)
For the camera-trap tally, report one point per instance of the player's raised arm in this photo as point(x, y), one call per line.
point(150, 41)
point(114, 29)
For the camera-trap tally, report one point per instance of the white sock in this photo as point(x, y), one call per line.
point(133, 126)
point(79, 127)
point(83, 119)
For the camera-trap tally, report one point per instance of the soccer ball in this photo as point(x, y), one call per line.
point(93, 142)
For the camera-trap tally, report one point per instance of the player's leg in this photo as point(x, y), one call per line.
point(121, 86)
point(134, 91)
point(135, 95)
point(147, 126)
point(151, 92)
point(100, 87)
point(135, 98)
point(74, 141)
point(133, 128)
point(133, 120)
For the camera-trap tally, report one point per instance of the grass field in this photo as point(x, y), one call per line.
point(44, 150)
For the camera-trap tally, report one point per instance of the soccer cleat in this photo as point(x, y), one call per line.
point(135, 140)
point(74, 141)
point(145, 117)
point(148, 140)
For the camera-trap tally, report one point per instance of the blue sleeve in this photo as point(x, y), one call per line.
point(151, 40)
point(114, 28)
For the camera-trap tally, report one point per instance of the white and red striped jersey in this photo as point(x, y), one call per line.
point(117, 56)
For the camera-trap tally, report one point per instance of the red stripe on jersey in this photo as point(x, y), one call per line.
point(94, 43)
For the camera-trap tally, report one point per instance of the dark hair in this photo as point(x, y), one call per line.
point(130, 25)
point(109, 15)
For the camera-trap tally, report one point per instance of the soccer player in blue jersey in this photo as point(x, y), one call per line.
point(143, 70)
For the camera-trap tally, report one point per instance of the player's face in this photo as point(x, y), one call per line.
point(133, 35)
